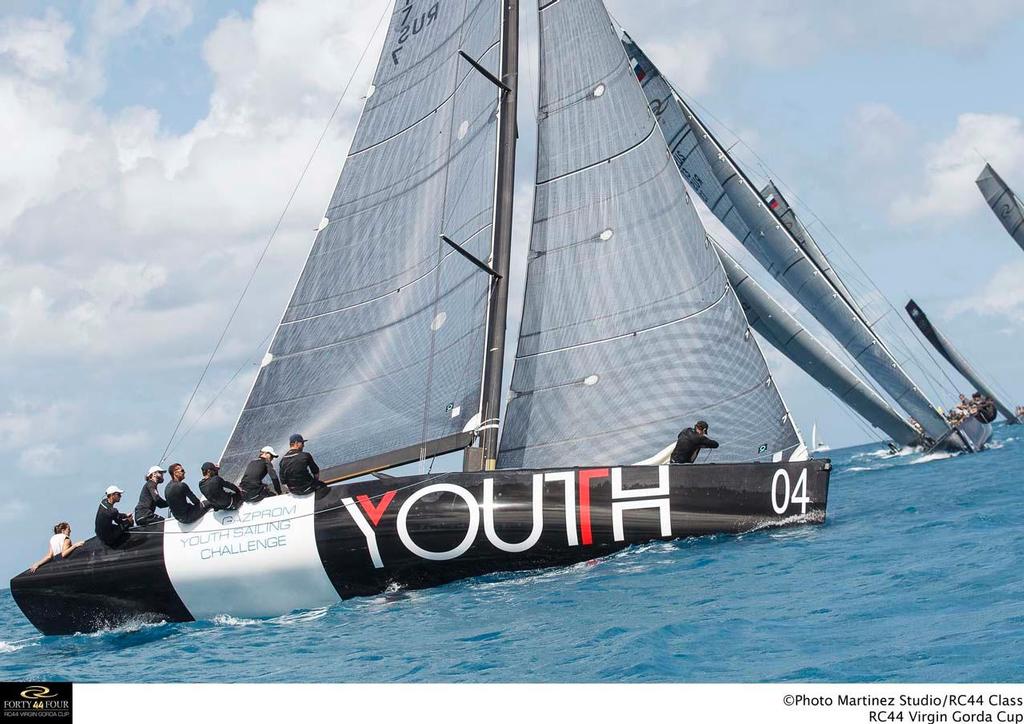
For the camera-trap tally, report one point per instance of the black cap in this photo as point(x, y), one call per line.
point(207, 467)
point(701, 424)
point(296, 438)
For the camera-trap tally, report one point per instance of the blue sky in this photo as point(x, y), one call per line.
point(158, 140)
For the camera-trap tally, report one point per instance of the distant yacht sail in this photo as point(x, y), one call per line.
point(786, 334)
point(959, 362)
point(817, 444)
point(620, 348)
point(722, 185)
point(1005, 204)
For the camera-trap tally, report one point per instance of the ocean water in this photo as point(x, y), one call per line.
point(916, 576)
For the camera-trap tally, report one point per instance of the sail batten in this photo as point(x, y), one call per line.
point(380, 352)
point(1005, 204)
point(721, 183)
point(630, 331)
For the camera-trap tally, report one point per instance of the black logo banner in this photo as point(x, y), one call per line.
point(35, 701)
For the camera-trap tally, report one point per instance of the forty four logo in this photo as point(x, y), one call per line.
point(576, 485)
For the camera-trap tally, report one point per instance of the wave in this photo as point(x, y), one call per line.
point(9, 647)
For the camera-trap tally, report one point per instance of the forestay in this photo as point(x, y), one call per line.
point(630, 331)
point(721, 184)
point(381, 346)
point(1008, 208)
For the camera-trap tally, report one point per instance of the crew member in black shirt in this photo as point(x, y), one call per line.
point(252, 485)
point(690, 442)
point(185, 505)
point(220, 494)
point(149, 498)
point(111, 524)
point(298, 470)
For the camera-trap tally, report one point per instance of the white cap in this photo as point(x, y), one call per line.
point(155, 469)
point(111, 489)
point(270, 450)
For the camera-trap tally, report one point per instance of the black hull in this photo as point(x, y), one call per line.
point(970, 435)
point(360, 538)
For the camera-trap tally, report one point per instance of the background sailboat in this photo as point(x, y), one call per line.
point(722, 184)
point(1005, 204)
point(957, 360)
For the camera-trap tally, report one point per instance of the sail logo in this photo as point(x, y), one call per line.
point(481, 512)
point(413, 23)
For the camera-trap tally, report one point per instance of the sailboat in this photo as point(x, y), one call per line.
point(390, 352)
point(1005, 204)
point(784, 248)
point(957, 360)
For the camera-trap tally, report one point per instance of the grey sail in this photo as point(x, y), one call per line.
point(960, 364)
point(378, 357)
point(731, 196)
point(770, 319)
point(1005, 204)
point(787, 215)
point(630, 330)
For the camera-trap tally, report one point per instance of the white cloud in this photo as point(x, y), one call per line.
point(41, 460)
point(33, 430)
point(121, 442)
point(952, 165)
point(37, 46)
point(1002, 295)
point(113, 231)
point(696, 42)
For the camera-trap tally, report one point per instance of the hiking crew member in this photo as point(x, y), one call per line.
point(220, 494)
point(252, 485)
point(298, 469)
point(690, 442)
point(986, 408)
point(111, 524)
point(60, 546)
point(185, 506)
point(149, 498)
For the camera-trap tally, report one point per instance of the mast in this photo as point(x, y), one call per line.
point(502, 245)
point(957, 360)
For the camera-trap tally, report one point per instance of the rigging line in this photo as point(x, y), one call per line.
point(248, 360)
point(273, 233)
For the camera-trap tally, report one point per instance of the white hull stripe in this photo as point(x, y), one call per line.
point(261, 560)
